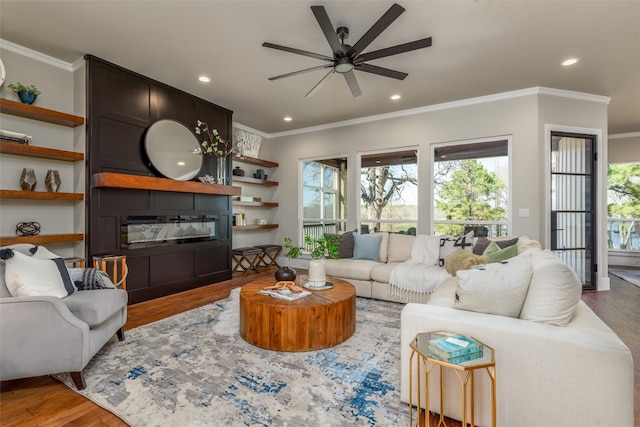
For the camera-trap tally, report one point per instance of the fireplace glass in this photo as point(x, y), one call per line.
point(150, 231)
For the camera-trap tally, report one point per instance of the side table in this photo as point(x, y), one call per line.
point(463, 370)
point(115, 266)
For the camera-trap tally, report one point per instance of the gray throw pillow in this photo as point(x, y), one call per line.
point(345, 247)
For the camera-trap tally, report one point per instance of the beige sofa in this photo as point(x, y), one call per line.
point(578, 374)
point(371, 278)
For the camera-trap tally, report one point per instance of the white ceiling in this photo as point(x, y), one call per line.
point(479, 48)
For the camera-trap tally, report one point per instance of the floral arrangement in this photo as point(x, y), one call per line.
point(19, 87)
point(214, 144)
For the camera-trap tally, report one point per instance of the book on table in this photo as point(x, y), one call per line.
point(287, 296)
point(455, 347)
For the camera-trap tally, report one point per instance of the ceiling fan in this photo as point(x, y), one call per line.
point(348, 58)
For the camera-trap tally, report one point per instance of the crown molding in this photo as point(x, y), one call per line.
point(625, 135)
point(538, 90)
point(38, 56)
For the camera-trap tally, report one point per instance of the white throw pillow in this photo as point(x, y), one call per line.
point(449, 244)
point(554, 292)
point(426, 250)
point(29, 276)
point(43, 253)
point(400, 247)
point(498, 289)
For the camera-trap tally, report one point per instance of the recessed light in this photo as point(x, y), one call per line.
point(204, 79)
point(395, 97)
point(287, 119)
point(570, 61)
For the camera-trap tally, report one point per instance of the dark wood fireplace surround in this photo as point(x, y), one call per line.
point(121, 105)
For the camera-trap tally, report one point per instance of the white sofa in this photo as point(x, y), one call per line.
point(579, 374)
point(371, 278)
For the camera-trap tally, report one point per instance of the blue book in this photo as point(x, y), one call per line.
point(447, 348)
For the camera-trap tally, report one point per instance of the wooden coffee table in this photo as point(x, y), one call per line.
point(320, 320)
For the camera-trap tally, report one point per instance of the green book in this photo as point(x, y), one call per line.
point(447, 348)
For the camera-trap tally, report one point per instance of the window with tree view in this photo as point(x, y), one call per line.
point(324, 196)
point(471, 188)
point(388, 192)
point(623, 193)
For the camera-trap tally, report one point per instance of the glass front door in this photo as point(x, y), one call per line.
point(573, 226)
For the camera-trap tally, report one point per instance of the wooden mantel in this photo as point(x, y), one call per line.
point(138, 182)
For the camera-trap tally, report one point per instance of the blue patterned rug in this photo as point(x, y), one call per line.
point(193, 369)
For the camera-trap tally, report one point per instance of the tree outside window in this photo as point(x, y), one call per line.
point(471, 188)
point(388, 192)
point(623, 194)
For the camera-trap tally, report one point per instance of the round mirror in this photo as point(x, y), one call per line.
point(169, 145)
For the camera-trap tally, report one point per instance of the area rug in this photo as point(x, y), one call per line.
point(631, 276)
point(193, 369)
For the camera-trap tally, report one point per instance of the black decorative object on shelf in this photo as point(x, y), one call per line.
point(238, 172)
point(28, 228)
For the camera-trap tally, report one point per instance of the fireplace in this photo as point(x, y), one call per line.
point(139, 232)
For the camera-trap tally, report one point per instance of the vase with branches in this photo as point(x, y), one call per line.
point(214, 145)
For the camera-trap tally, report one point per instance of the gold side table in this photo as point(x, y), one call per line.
point(464, 371)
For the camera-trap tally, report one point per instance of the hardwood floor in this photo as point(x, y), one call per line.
point(43, 401)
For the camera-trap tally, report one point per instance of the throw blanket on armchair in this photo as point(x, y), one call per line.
point(420, 275)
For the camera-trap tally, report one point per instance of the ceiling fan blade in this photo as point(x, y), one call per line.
point(327, 28)
point(297, 51)
point(321, 83)
point(394, 50)
point(352, 82)
point(377, 28)
point(295, 73)
point(374, 69)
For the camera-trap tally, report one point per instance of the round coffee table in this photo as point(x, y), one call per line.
point(320, 320)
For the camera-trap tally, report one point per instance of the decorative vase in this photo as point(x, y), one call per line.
point(27, 97)
point(317, 273)
point(28, 179)
point(52, 181)
point(285, 274)
point(221, 170)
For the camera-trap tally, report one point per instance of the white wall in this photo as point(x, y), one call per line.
point(520, 114)
point(62, 90)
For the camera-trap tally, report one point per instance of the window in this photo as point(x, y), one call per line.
point(388, 192)
point(324, 196)
point(623, 201)
point(471, 187)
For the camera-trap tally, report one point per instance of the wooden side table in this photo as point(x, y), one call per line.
point(464, 371)
point(115, 266)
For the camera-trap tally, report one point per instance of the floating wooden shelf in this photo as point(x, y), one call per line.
point(256, 204)
point(41, 239)
point(139, 182)
point(39, 195)
point(254, 227)
point(38, 113)
point(248, 180)
point(8, 147)
point(255, 161)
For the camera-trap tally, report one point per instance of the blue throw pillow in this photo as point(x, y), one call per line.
point(366, 246)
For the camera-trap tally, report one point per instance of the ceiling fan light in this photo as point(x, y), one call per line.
point(343, 65)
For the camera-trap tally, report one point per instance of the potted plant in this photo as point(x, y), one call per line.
point(27, 94)
point(319, 248)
